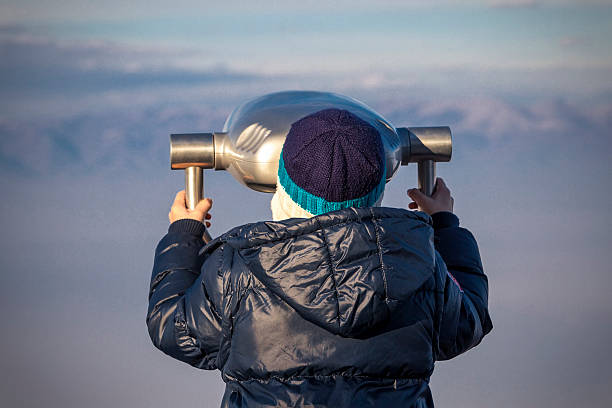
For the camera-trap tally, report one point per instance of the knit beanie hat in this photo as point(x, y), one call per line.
point(331, 160)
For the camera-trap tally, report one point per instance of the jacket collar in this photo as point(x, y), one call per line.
point(269, 231)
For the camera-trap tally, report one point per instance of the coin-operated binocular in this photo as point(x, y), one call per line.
point(250, 144)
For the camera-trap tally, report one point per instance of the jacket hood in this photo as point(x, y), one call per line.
point(345, 270)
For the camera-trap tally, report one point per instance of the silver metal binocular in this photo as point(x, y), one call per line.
point(250, 144)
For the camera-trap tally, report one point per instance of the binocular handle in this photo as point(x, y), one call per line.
point(427, 176)
point(194, 191)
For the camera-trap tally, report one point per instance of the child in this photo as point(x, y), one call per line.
point(338, 302)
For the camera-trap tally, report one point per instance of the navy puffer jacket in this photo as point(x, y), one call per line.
point(345, 309)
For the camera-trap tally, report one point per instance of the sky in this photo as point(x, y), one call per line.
point(90, 91)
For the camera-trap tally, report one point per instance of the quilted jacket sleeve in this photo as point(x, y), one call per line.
point(185, 296)
point(465, 316)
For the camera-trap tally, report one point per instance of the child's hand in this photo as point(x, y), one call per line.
point(180, 211)
point(440, 200)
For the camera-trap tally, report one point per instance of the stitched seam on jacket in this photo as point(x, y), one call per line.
point(330, 376)
point(213, 307)
point(225, 318)
point(380, 255)
point(331, 267)
point(439, 308)
point(241, 297)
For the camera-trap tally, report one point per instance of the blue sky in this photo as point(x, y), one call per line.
point(90, 91)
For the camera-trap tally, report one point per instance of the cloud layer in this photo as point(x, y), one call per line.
point(93, 105)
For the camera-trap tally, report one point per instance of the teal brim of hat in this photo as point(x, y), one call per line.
point(318, 205)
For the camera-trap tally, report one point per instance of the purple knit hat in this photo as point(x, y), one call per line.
point(332, 159)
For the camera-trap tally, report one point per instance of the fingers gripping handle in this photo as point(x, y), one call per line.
point(194, 191)
point(427, 176)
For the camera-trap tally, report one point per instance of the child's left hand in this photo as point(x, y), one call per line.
point(179, 209)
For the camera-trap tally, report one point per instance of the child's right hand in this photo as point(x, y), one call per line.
point(440, 200)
